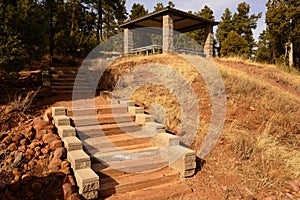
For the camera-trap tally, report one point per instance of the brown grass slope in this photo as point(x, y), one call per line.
point(259, 149)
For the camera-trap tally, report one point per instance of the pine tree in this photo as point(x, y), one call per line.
point(158, 6)
point(225, 27)
point(283, 26)
point(198, 35)
point(263, 53)
point(235, 45)
point(244, 23)
point(137, 11)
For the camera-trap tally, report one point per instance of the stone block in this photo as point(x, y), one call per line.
point(61, 120)
point(66, 131)
point(72, 143)
point(164, 139)
point(90, 194)
point(141, 119)
point(180, 159)
point(133, 110)
point(87, 180)
point(152, 128)
point(58, 111)
point(79, 159)
point(127, 103)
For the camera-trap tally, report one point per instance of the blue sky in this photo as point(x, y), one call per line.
point(218, 6)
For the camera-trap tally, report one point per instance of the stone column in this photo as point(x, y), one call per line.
point(209, 39)
point(168, 40)
point(128, 41)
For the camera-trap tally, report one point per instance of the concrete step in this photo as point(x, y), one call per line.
point(99, 151)
point(100, 119)
point(93, 131)
point(131, 182)
point(119, 154)
point(165, 191)
point(103, 109)
point(117, 140)
point(139, 165)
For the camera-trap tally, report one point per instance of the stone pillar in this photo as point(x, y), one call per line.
point(209, 39)
point(168, 40)
point(128, 41)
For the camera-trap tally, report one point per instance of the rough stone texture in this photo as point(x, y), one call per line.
point(128, 41)
point(180, 159)
point(164, 139)
point(168, 38)
point(87, 180)
point(58, 111)
point(141, 119)
point(79, 159)
point(152, 128)
point(90, 195)
point(72, 143)
point(61, 120)
point(132, 110)
point(209, 37)
point(127, 103)
point(66, 131)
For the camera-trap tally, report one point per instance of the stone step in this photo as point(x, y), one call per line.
point(86, 132)
point(117, 140)
point(139, 165)
point(103, 109)
point(99, 151)
point(119, 154)
point(132, 182)
point(100, 119)
point(172, 190)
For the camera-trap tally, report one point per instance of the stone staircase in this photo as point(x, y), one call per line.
point(62, 80)
point(133, 157)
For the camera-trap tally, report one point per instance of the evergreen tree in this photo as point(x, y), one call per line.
point(158, 6)
point(263, 53)
point(235, 45)
point(283, 26)
point(225, 27)
point(171, 4)
point(198, 35)
point(244, 23)
point(137, 11)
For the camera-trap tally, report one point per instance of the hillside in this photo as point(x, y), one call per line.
point(258, 154)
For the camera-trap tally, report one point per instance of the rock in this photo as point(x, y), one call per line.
point(29, 153)
point(74, 196)
point(29, 133)
point(48, 138)
point(67, 190)
point(2, 146)
point(6, 140)
point(252, 108)
point(269, 198)
point(17, 137)
point(39, 124)
point(65, 171)
point(22, 148)
point(54, 163)
point(65, 164)
point(30, 194)
point(36, 186)
point(56, 144)
point(34, 144)
point(26, 177)
point(71, 180)
point(59, 152)
point(39, 135)
point(45, 150)
point(8, 109)
point(24, 141)
point(12, 147)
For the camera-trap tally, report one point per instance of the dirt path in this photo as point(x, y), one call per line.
point(272, 76)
